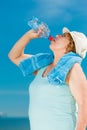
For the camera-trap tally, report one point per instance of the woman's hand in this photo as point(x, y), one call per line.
point(33, 34)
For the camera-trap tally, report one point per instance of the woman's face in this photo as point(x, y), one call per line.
point(60, 42)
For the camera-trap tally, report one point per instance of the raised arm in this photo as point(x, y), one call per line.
point(78, 86)
point(17, 52)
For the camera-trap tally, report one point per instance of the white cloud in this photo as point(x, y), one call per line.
point(52, 8)
point(59, 9)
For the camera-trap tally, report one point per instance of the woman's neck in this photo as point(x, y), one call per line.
point(58, 55)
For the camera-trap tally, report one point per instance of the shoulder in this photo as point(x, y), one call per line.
point(76, 68)
point(76, 74)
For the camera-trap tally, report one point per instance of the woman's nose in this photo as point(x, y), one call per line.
point(57, 36)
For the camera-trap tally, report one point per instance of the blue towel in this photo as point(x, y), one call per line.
point(58, 73)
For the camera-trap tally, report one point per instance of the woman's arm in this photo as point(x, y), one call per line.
point(17, 52)
point(78, 86)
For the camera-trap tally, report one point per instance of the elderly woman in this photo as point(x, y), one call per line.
point(59, 81)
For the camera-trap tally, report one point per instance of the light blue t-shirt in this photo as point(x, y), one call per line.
point(51, 107)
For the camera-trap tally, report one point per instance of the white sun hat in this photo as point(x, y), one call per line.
point(80, 41)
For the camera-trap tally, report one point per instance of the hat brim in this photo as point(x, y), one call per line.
point(65, 30)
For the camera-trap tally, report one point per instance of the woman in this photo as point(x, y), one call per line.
point(58, 84)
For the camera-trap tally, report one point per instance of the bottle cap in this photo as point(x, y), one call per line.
point(51, 38)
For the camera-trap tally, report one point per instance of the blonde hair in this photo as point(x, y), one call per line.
point(71, 45)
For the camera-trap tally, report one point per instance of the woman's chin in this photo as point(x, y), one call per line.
point(52, 47)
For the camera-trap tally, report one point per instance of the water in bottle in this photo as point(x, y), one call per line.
point(36, 25)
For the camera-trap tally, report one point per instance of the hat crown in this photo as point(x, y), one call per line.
point(80, 41)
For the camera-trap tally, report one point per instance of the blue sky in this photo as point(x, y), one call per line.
point(14, 16)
